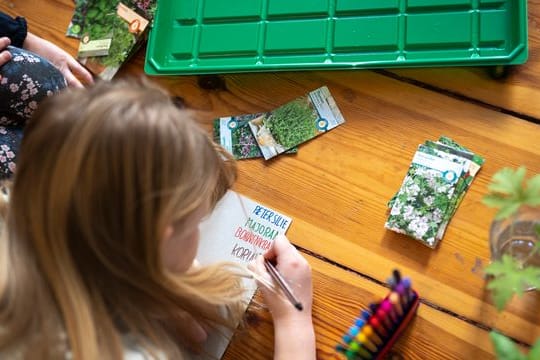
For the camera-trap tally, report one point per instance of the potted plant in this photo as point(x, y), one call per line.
point(515, 247)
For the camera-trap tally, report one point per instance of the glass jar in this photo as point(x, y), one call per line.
point(516, 236)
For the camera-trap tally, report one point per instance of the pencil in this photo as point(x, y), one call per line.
point(282, 284)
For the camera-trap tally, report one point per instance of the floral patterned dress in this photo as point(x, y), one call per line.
point(25, 80)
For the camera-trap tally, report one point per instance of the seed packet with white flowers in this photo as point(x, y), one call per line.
point(466, 179)
point(425, 195)
point(296, 122)
point(477, 160)
point(452, 155)
point(430, 147)
point(233, 133)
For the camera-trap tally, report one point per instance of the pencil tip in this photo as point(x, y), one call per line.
point(299, 306)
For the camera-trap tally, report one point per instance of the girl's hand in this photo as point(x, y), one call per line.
point(5, 55)
point(68, 66)
point(293, 329)
point(296, 271)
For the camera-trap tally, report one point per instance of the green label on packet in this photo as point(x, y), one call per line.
point(98, 47)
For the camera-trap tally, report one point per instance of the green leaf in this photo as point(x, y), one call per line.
point(507, 210)
point(531, 200)
point(508, 192)
point(531, 276)
point(92, 13)
point(518, 178)
point(532, 191)
point(501, 293)
point(505, 348)
point(509, 279)
point(508, 181)
point(495, 200)
point(534, 353)
point(533, 186)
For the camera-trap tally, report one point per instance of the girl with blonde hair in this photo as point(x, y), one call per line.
point(101, 233)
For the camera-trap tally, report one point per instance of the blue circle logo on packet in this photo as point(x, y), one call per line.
point(449, 175)
point(232, 124)
point(322, 124)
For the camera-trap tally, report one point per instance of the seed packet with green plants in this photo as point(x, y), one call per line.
point(76, 24)
point(123, 23)
point(233, 133)
point(296, 122)
point(424, 197)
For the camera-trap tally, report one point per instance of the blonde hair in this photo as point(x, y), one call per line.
point(101, 173)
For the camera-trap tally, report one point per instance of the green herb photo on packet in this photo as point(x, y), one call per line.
point(296, 122)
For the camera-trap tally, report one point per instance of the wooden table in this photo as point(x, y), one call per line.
point(337, 186)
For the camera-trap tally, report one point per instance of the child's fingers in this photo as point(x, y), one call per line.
point(5, 56)
point(4, 42)
point(258, 267)
point(79, 71)
point(259, 272)
point(281, 246)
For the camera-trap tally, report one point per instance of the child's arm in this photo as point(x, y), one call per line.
point(293, 329)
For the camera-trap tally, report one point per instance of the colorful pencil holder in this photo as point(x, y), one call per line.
point(376, 329)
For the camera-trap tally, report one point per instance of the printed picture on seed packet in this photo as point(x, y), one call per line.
point(296, 122)
point(113, 30)
point(233, 133)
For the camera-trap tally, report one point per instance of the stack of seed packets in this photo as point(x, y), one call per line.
point(281, 130)
point(438, 178)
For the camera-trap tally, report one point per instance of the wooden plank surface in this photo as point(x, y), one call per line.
point(337, 186)
point(517, 92)
point(339, 297)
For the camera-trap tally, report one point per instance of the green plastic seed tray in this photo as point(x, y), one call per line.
point(216, 36)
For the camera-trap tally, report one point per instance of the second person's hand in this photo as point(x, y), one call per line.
point(76, 75)
point(5, 55)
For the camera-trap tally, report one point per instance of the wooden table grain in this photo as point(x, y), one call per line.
point(337, 186)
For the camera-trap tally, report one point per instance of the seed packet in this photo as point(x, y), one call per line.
point(296, 122)
point(477, 160)
point(450, 146)
point(425, 195)
point(465, 181)
point(234, 134)
point(120, 27)
point(76, 24)
point(461, 185)
point(445, 149)
point(430, 147)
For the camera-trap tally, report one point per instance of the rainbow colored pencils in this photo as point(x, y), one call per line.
point(376, 329)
